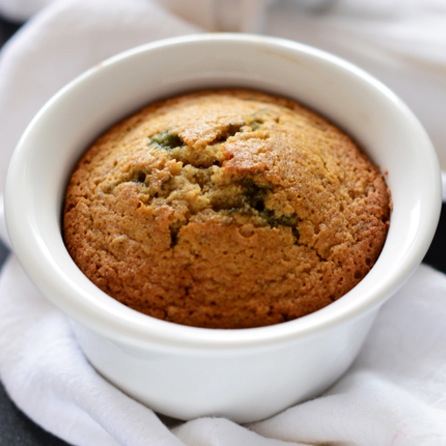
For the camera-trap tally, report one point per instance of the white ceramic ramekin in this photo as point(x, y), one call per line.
point(189, 372)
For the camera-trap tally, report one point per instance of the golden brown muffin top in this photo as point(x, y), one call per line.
point(225, 209)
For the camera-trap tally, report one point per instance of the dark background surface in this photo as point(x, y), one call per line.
point(18, 430)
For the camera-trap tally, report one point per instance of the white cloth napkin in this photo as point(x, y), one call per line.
point(394, 394)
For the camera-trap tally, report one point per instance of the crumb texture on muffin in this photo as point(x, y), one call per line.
point(225, 209)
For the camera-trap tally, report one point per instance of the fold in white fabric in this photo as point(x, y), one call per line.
point(394, 394)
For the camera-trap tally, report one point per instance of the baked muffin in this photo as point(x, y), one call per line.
point(225, 209)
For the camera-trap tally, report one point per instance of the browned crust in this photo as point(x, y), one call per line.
point(264, 212)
